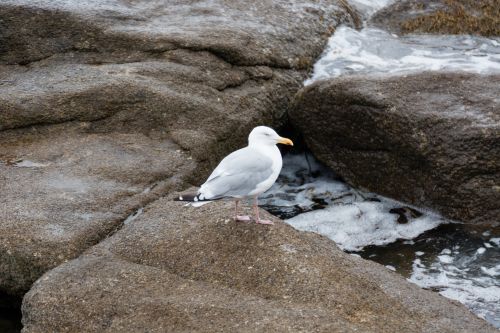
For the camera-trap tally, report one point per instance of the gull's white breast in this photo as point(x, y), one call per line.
point(277, 162)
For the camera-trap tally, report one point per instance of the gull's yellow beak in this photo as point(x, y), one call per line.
point(285, 141)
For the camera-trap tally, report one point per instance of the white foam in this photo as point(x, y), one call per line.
point(493, 271)
point(351, 218)
point(458, 278)
point(376, 51)
point(354, 226)
point(369, 7)
point(481, 250)
point(445, 259)
point(495, 241)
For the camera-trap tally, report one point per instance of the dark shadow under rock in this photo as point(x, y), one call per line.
point(10, 313)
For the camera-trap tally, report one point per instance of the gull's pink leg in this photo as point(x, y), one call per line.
point(241, 218)
point(256, 209)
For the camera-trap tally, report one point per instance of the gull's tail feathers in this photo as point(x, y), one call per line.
point(193, 199)
point(188, 197)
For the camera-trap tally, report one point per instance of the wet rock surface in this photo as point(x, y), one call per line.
point(64, 189)
point(108, 105)
point(441, 16)
point(430, 139)
point(177, 268)
point(277, 34)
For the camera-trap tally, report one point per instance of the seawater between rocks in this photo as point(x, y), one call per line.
point(437, 254)
point(374, 50)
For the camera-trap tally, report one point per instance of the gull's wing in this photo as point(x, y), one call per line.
point(237, 175)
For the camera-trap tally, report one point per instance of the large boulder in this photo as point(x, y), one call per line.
point(285, 34)
point(441, 16)
point(180, 269)
point(107, 105)
point(431, 139)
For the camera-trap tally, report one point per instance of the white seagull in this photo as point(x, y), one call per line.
point(247, 172)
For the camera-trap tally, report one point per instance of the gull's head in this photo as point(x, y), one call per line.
point(263, 135)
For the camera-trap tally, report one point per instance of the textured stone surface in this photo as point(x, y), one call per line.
point(106, 105)
point(286, 34)
point(281, 33)
point(64, 189)
point(182, 269)
point(431, 139)
point(441, 16)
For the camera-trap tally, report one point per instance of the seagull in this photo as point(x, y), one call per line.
point(246, 172)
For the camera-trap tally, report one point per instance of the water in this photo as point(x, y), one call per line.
point(375, 51)
point(311, 198)
point(458, 263)
point(430, 251)
point(369, 7)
